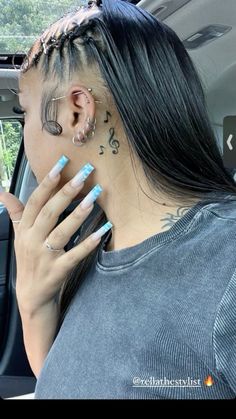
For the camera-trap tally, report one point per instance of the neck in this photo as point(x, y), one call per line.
point(136, 215)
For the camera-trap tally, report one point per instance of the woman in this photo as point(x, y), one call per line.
point(149, 310)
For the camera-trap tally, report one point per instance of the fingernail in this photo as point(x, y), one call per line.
point(98, 234)
point(59, 166)
point(91, 197)
point(82, 175)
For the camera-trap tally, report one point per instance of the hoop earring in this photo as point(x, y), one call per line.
point(92, 127)
point(81, 137)
point(78, 142)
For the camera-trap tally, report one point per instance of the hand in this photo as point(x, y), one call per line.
point(41, 272)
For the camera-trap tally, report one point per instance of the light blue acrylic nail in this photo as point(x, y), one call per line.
point(82, 175)
point(98, 234)
point(91, 197)
point(59, 166)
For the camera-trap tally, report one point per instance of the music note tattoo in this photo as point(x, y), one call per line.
point(102, 146)
point(113, 142)
point(107, 117)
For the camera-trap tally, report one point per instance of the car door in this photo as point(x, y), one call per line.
point(15, 373)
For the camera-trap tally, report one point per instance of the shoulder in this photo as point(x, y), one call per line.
point(222, 247)
point(225, 209)
point(224, 335)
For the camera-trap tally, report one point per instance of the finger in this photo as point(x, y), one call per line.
point(14, 207)
point(62, 234)
point(42, 194)
point(50, 213)
point(48, 216)
point(71, 258)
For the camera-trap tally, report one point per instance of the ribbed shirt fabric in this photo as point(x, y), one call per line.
point(156, 320)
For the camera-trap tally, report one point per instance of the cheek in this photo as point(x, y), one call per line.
point(36, 150)
point(30, 143)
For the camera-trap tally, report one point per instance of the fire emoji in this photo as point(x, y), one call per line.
point(208, 381)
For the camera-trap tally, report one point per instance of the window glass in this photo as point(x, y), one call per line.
point(10, 140)
point(22, 21)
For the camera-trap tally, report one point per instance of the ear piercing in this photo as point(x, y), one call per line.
point(81, 138)
point(76, 93)
point(89, 131)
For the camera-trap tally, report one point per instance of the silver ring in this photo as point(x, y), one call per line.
point(77, 144)
point(16, 221)
point(52, 248)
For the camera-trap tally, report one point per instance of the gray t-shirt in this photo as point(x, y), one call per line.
point(156, 320)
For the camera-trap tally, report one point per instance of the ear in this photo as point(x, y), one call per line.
point(82, 106)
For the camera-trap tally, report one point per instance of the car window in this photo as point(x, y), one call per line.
point(10, 140)
point(22, 21)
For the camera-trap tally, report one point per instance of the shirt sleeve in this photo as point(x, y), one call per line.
point(224, 335)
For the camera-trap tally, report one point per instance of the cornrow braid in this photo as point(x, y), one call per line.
point(83, 33)
point(97, 2)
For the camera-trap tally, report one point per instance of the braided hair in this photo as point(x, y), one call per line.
point(50, 41)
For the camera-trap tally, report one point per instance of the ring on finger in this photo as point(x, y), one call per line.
point(51, 248)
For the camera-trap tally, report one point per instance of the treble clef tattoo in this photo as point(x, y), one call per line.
point(113, 142)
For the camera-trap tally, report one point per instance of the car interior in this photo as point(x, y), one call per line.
point(208, 30)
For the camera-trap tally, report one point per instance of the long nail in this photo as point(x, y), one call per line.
point(82, 175)
point(91, 197)
point(59, 166)
point(98, 234)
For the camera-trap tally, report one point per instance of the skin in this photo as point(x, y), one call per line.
point(135, 216)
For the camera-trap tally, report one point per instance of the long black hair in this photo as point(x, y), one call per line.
point(159, 98)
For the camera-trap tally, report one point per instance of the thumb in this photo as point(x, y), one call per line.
point(14, 207)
